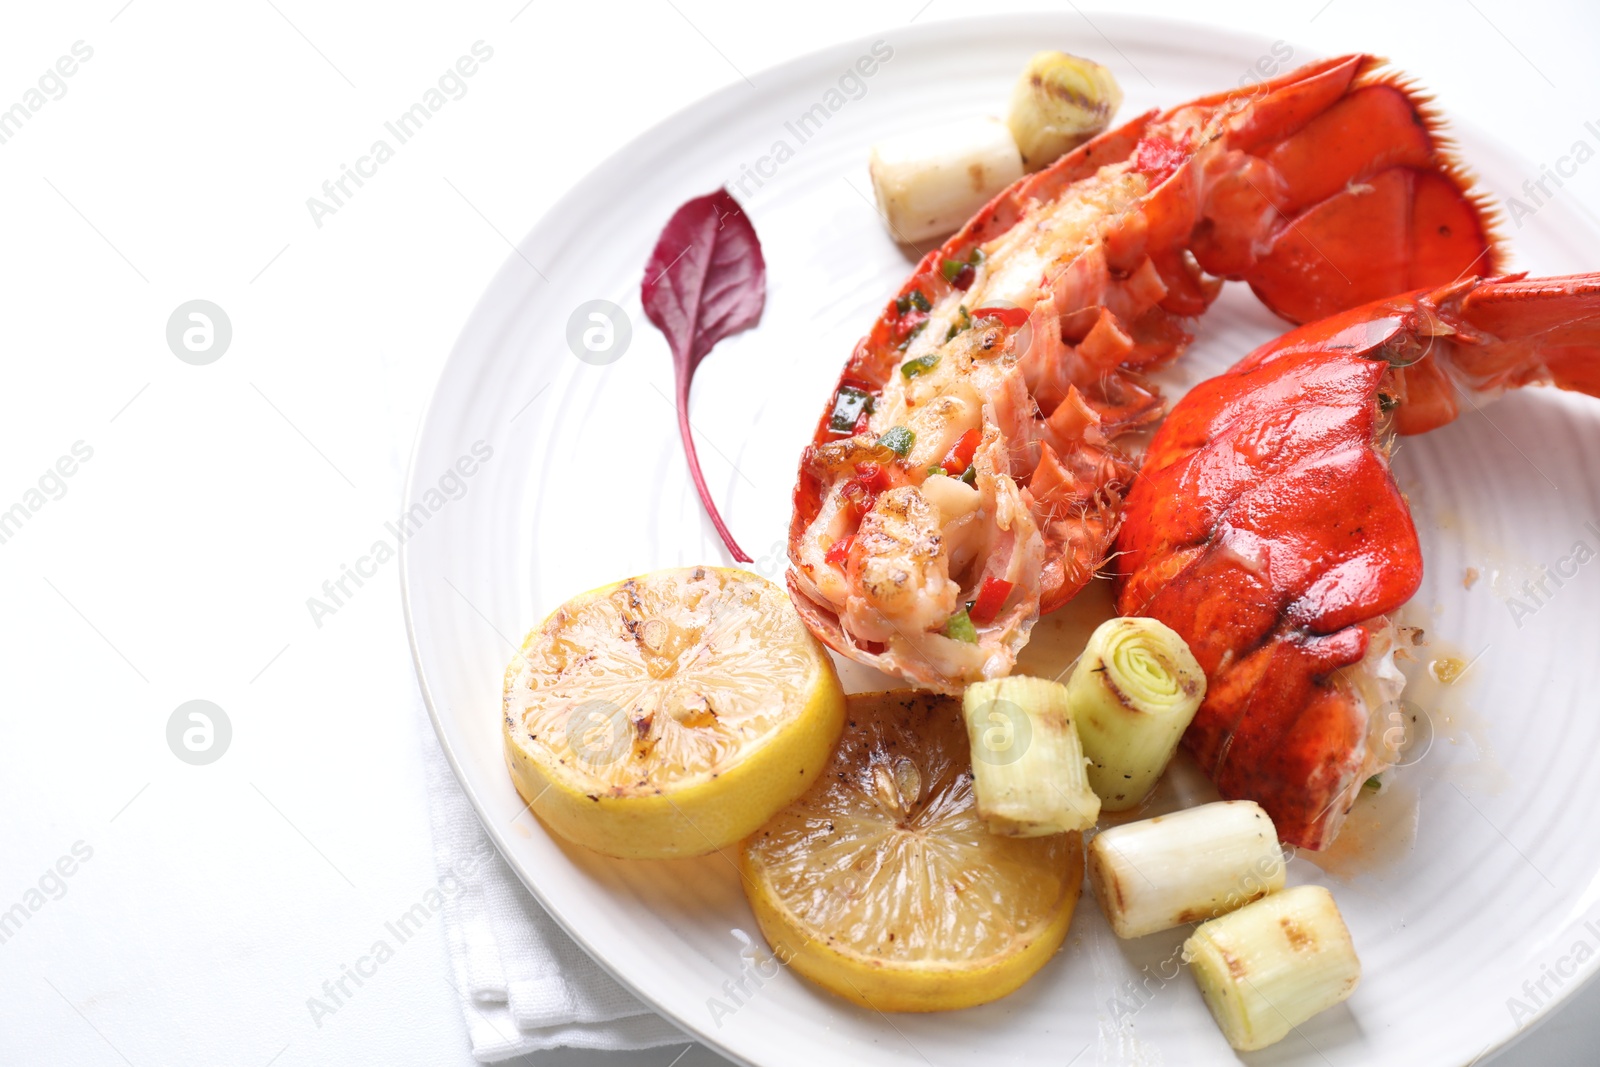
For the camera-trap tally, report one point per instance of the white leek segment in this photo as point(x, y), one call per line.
point(1059, 102)
point(1270, 966)
point(1028, 768)
point(1134, 691)
point(930, 181)
point(1181, 868)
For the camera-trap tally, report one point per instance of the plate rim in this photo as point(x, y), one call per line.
point(1124, 24)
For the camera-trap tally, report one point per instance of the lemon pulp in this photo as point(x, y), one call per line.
point(882, 885)
point(669, 714)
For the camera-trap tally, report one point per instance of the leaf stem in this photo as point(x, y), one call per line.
point(686, 432)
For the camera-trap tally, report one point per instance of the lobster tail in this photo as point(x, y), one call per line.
point(1548, 329)
point(1485, 337)
point(1265, 526)
point(1342, 191)
point(972, 452)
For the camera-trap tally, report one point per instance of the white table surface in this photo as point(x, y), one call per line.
point(177, 563)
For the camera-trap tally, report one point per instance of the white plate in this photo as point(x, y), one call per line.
point(587, 485)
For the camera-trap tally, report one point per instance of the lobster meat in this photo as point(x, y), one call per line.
point(969, 469)
point(1265, 526)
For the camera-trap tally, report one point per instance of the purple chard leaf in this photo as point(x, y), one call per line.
point(706, 280)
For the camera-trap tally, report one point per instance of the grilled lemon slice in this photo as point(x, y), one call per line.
point(671, 714)
point(881, 884)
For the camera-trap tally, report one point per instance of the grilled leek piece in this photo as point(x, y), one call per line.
point(1028, 767)
point(1181, 868)
point(1271, 965)
point(930, 181)
point(1060, 101)
point(1134, 691)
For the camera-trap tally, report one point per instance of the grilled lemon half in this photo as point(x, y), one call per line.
point(670, 714)
point(881, 884)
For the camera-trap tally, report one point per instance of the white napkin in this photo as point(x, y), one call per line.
point(524, 985)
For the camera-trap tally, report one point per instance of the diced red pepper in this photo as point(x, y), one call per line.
point(872, 477)
point(959, 458)
point(911, 320)
point(856, 498)
point(964, 277)
point(1010, 318)
point(990, 599)
point(839, 550)
point(861, 492)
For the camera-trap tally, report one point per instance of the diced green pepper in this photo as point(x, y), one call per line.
point(913, 299)
point(921, 365)
point(899, 439)
point(951, 267)
point(848, 407)
point(959, 628)
point(970, 475)
point(963, 320)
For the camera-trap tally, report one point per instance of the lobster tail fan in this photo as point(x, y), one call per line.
point(1371, 202)
point(1525, 330)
